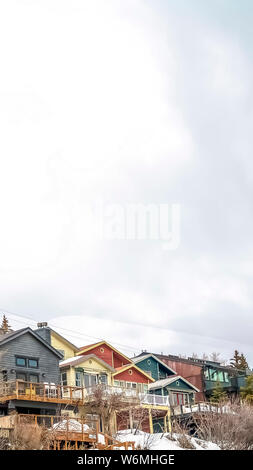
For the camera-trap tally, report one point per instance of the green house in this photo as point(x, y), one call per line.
point(178, 389)
point(167, 383)
point(153, 366)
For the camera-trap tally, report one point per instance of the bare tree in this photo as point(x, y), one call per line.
point(105, 403)
point(231, 429)
point(215, 356)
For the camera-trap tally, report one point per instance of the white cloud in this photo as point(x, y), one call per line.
point(124, 102)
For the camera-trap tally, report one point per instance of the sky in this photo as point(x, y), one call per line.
point(131, 102)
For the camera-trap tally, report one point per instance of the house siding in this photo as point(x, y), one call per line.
point(190, 372)
point(108, 355)
point(28, 346)
point(136, 376)
point(157, 370)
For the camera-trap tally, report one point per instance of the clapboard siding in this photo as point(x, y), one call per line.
point(27, 345)
point(154, 368)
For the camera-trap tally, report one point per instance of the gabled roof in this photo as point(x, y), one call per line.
point(74, 361)
point(128, 366)
point(89, 347)
point(164, 382)
point(65, 340)
point(16, 334)
point(146, 356)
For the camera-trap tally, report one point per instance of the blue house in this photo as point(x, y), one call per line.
point(167, 381)
point(153, 366)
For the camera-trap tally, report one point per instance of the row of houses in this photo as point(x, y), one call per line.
point(42, 373)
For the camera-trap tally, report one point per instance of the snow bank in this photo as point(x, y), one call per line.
point(158, 441)
point(70, 425)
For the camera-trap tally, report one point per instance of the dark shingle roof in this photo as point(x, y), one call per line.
point(15, 334)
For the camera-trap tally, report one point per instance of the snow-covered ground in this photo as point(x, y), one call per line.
point(72, 425)
point(164, 441)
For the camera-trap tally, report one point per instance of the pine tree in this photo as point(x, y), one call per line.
point(235, 361)
point(239, 361)
point(247, 391)
point(5, 324)
point(219, 395)
point(244, 364)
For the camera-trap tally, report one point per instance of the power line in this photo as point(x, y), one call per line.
point(80, 335)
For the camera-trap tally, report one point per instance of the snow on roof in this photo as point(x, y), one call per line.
point(71, 361)
point(164, 382)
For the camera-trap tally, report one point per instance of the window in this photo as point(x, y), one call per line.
point(21, 361)
point(90, 380)
point(103, 379)
point(27, 362)
point(64, 380)
point(33, 378)
point(226, 378)
point(213, 374)
point(220, 376)
point(21, 376)
point(78, 379)
point(34, 363)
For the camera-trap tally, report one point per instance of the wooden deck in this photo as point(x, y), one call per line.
point(40, 392)
point(67, 433)
point(44, 392)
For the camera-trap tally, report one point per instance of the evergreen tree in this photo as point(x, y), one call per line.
point(247, 391)
point(244, 364)
point(239, 361)
point(219, 394)
point(5, 324)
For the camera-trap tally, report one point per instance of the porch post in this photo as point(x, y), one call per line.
point(151, 429)
point(169, 421)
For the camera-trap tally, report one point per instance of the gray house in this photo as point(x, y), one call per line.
point(26, 359)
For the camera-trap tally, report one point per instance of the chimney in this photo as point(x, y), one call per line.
point(44, 331)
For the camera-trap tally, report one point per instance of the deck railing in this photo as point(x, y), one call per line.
point(45, 392)
point(49, 392)
point(66, 432)
point(64, 426)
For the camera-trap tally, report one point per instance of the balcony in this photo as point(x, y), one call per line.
point(152, 399)
point(40, 392)
point(44, 392)
point(64, 394)
point(110, 392)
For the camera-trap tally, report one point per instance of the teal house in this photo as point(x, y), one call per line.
point(153, 366)
point(167, 383)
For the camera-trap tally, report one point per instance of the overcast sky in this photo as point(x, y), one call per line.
point(134, 101)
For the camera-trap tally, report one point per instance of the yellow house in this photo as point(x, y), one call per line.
point(57, 341)
point(85, 371)
point(63, 345)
